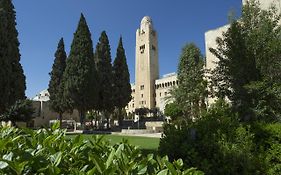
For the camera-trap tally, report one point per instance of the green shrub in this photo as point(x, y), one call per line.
point(268, 146)
point(24, 151)
point(21, 111)
point(216, 143)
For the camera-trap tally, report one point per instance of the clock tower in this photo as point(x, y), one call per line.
point(147, 67)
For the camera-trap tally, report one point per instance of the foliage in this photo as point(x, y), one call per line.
point(141, 111)
point(105, 78)
point(215, 143)
point(267, 101)
point(49, 152)
point(249, 61)
point(56, 86)
point(268, 144)
point(12, 79)
point(173, 110)
point(191, 92)
point(79, 79)
point(122, 87)
point(21, 111)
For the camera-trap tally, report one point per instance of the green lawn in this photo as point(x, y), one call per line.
point(145, 143)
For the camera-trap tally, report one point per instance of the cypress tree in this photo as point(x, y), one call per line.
point(191, 92)
point(104, 69)
point(79, 77)
point(12, 79)
point(55, 85)
point(122, 87)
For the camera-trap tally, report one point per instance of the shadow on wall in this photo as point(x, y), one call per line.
point(43, 114)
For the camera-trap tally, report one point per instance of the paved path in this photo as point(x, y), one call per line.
point(155, 135)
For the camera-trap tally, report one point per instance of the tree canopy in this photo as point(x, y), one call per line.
point(12, 78)
point(56, 86)
point(249, 63)
point(80, 84)
point(191, 92)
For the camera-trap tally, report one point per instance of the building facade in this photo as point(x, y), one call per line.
point(149, 91)
point(147, 66)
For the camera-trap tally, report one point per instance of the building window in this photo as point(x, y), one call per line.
point(133, 105)
point(160, 94)
point(142, 48)
point(165, 93)
point(141, 95)
point(142, 87)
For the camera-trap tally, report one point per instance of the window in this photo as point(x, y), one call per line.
point(165, 93)
point(142, 87)
point(160, 94)
point(141, 95)
point(142, 48)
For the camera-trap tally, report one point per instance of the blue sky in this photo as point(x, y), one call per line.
point(42, 23)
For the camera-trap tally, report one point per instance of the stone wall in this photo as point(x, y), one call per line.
point(43, 114)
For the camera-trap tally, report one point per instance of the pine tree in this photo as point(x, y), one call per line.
point(248, 70)
point(236, 68)
point(12, 79)
point(122, 87)
point(79, 78)
point(191, 92)
point(104, 69)
point(56, 86)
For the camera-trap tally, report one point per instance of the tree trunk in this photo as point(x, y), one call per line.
point(60, 119)
point(81, 116)
point(120, 118)
point(107, 119)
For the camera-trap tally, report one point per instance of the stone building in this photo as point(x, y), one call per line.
point(43, 114)
point(149, 91)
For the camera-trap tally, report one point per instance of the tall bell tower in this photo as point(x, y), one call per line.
point(147, 67)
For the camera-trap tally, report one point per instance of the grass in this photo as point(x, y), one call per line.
point(147, 144)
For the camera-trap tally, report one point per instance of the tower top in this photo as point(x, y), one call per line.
point(146, 21)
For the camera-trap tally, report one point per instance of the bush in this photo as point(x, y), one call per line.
point(268, 146)
point(216, 143)
point(24, 151)
point(21, 111)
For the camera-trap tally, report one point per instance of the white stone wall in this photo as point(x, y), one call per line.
point(130, 108)
point(163, 87)
point(42, 96)
point(265, 4)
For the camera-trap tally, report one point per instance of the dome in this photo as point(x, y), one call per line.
point(146, 19)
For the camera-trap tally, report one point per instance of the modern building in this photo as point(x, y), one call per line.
point(149, 91)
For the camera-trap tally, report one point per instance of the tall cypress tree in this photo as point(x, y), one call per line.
point(12, 79)
point(191, 92)
point(104, 69)
point(79, 77)
point(122, 87)
point(56, 86)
